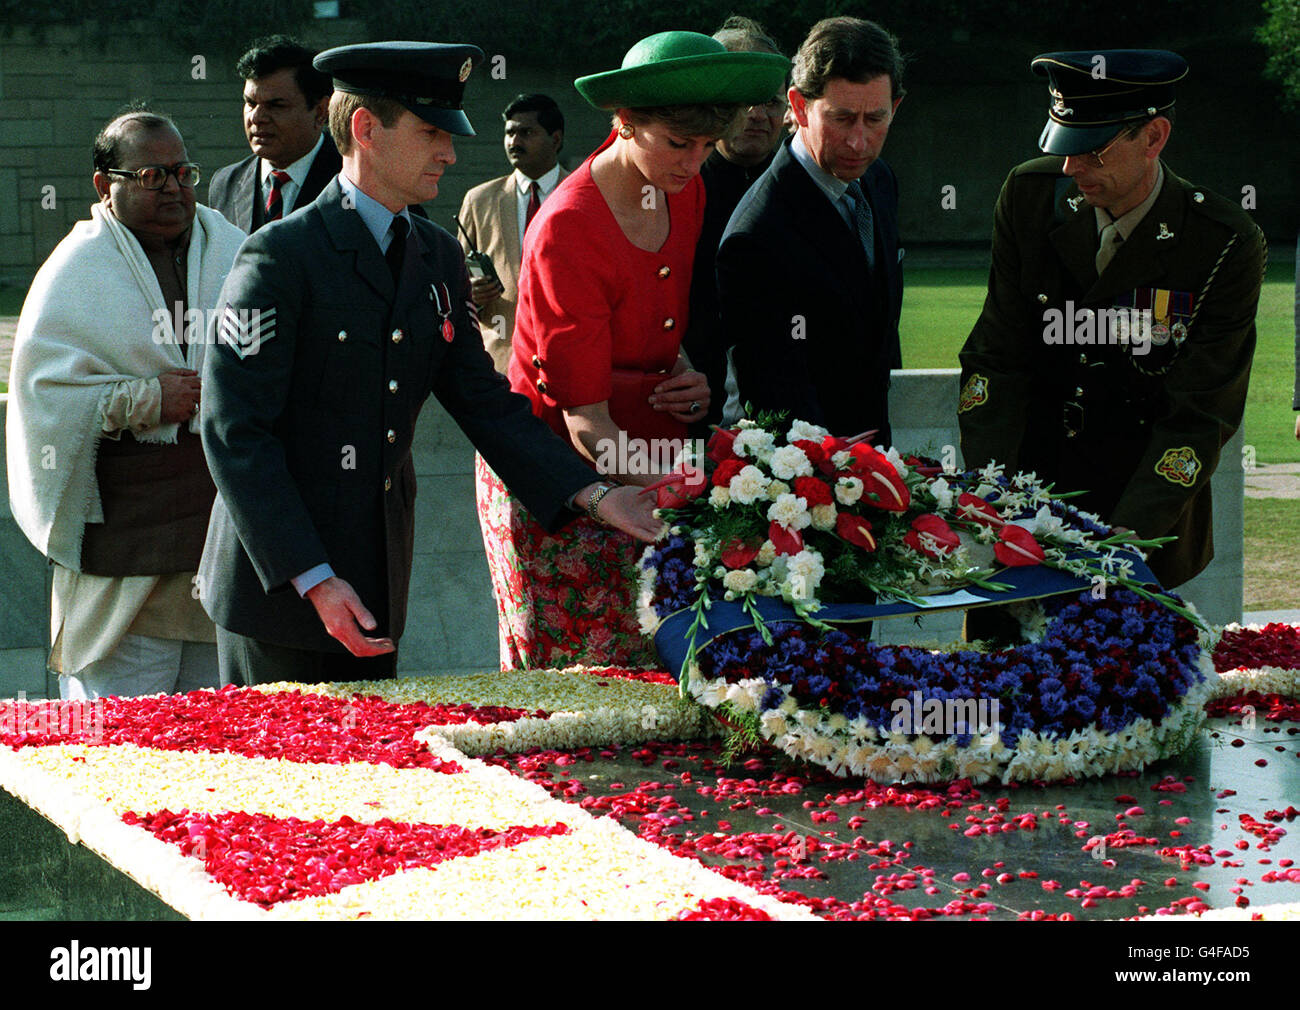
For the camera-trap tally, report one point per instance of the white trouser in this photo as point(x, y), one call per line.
point(144, 665)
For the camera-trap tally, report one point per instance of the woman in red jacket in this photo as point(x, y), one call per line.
point(603, 296)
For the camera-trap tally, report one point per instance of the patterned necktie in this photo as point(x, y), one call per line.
point(1111, 240)
point(275, 199)
point(396, 248)
point(860, 211)
point(534, 203)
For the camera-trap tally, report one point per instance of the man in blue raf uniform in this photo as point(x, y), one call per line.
point(1113, 351)
point(334, 327)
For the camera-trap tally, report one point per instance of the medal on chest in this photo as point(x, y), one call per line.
point(441, 298)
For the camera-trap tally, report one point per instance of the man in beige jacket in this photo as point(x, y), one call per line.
point(495, 214)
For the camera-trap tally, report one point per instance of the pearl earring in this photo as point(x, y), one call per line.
point(626, 130)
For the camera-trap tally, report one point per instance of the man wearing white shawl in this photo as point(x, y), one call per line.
point(106, 472)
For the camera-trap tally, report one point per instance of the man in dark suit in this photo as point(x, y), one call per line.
point(336, 325)
point(286, 103)
point(1113, 352)
point(809, 283)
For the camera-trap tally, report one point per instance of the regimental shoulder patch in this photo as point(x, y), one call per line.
point(244, 331)
point(1179, 466)
point(974, 393)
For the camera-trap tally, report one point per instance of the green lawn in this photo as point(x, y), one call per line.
point(941, 305)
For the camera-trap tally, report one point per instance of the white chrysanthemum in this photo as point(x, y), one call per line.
point(848, 490)
point(790, 511)
point(789, 462)
point(823, 517)
point(748, 486)
point(720, 497)
point(774, 723)
point(742, 580)
point(803, 431)
point(789, 706)
point(754, 443)
point(837, 722)
point(776, 489)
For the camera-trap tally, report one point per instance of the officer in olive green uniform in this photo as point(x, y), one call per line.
point(1114, 348)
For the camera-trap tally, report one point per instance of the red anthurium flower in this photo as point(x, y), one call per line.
point(883, 487)
point(931, 536)
point(719, 448)
point(972, 507)
point(726, 470)
point(678, 488)
point(1018, 547)
point(855, 530)
point(813, 491)
point(737, 554)
point(785, 541)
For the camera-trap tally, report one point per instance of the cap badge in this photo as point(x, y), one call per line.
point(1058, 103)
point(465, 68)
point(1164, 232)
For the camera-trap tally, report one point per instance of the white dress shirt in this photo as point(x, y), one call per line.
point(297, 176)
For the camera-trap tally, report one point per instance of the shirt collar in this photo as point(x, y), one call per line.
point(1128, 221)
point(374, 215)
point(833, 188)
point(545, 183)
point(299, 169)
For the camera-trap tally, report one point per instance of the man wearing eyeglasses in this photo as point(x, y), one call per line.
point(740, 158)
point(1113, 352)
point(106, 470)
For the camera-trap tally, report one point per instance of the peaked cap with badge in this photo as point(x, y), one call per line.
point(326, 355)
point(1124, 383)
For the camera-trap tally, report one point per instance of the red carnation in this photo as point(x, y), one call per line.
point(855, 530)
point(785, 541)
point(815, 453)
point(931, 536)
point(813, 491)
point(1018, 547)
point(726, 470)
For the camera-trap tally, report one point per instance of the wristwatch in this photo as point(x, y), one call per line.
point(600, 492)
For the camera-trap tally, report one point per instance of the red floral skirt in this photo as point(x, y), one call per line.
point(563, 598)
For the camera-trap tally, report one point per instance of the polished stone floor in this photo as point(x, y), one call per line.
point(42, 876)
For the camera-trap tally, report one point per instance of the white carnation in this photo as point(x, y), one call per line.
point(742, 580)
point(777, 488)
point(789, 462)
point(803, 431)
point(823, 517)
point(790, 511)
point(754, 443)
point(720, 497)
point(748, 486)
point(766, 554)
point(848, 490)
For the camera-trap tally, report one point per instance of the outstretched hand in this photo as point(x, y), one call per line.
point(345, 617)
point(629, 510)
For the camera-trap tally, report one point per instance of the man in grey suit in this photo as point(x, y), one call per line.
point(335, 326)
point(286, 103)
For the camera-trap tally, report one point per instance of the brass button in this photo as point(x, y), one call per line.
point(392, 436)
point(392, 385)
point(669, 323)
point(541, 386)
point(1198, 197)
point(388, 483)
point(1083, 359)
point(343, 335)
point(397, 336)
point(665, 271)
point(1078, 391)
point(537, 362)
point(1042, 299)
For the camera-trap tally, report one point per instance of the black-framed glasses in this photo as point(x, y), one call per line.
point(155, 176)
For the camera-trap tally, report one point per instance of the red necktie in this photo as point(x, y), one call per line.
point(275, 199)
point(534, 203)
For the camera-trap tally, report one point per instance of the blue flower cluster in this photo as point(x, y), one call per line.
point(1101, 662)
point(675, 584)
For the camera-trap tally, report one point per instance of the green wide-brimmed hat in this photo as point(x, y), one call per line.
point(685, 68)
